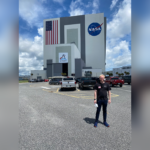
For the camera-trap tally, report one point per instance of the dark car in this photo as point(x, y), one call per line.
point(95, 79)
point(127, 79)
point(77, 80)
point(86, 82)
point(55, 81)
point(40, 80)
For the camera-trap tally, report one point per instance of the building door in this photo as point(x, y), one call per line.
point(57, 69)
point(39, 77)
point(65, 69)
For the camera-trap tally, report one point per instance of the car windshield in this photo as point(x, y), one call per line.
point(68, 79)
point(128, 77)
point(57, 79)
point(114, 78)
point(83, 79)
point(94, 78)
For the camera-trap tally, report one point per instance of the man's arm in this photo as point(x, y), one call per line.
point(109, 95)
point(95, 96)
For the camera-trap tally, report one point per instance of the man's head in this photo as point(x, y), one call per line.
point(101, 78)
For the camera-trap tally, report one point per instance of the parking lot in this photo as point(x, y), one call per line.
point(62, 120)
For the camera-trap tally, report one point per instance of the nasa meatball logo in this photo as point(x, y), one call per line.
point(95, 28)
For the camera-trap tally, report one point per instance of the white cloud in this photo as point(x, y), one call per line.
point(121, 22)
point(118, 55)
point(95, 6)
point(33, 12)
point(113, 4)
point(117, 50)
point(74, 8)
point(77, 12)
point(40, 31)
point(30, 54)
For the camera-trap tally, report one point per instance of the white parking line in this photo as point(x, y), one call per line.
point(45, 87)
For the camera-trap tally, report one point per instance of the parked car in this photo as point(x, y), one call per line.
point(114, 81)
point(68, 82)
point(77, 80)
point(33, 80)
point(127, 79)
point(86, 82)
point(56, 81)
point(95, 78)
point(46, 80)
point(40, 80)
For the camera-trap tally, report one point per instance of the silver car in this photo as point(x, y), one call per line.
point(68, 82)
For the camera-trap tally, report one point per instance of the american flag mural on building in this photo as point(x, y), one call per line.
point(51, 33)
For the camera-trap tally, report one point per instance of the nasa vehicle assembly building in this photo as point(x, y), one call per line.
point(73, 45)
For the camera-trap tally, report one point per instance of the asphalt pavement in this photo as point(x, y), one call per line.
point(51, 119)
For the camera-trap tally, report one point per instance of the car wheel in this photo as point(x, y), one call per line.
point(120, 85)
point(62, 89)
point(81, 87)
point(75, 88)
point(129, 83)
point(110, 84)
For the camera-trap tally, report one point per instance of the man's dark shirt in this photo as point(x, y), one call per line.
point(102, 89)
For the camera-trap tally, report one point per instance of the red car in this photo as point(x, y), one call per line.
point(114, 81)
point(46, 80)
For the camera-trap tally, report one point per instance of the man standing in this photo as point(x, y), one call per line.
point(100, 97)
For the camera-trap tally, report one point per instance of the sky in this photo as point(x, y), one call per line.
point(33, 12)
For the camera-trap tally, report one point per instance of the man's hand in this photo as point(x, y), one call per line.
point(95, 101)
point(109, 101)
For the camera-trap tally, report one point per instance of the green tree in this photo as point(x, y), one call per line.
point(108, 73)
point(119, 74)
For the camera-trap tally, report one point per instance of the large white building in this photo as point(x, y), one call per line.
point(72, 45)
point(122, 70)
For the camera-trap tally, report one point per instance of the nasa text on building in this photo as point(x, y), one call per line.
point(73, 45)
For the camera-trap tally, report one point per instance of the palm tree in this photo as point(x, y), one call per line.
point(119, 74)
point(111, 74)
point(108, 73)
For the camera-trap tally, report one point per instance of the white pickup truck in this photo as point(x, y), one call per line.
point(68, 82)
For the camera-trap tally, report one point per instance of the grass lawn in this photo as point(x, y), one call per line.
point(23, 81)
